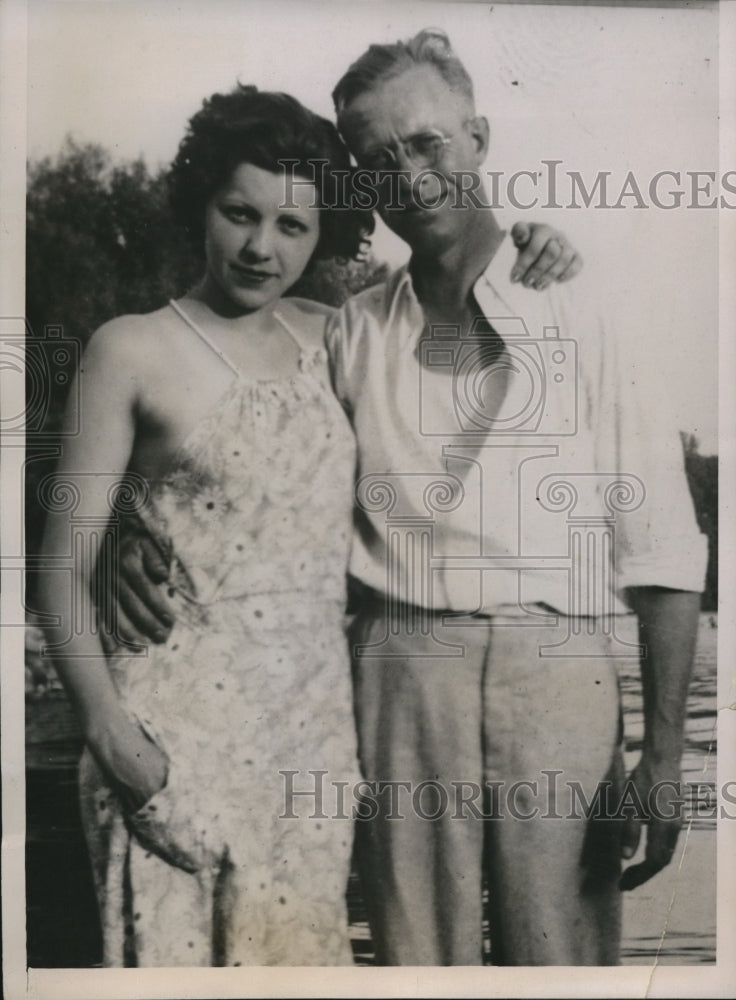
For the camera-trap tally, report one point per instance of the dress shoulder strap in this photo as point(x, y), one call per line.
point(203, 336)
point(305, 345)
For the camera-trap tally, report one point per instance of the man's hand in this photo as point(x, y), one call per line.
point(657, 787)
point(668, 624)
point(544, 256)
point(136, 596)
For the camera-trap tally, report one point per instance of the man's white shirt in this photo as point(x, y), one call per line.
point(573, 491)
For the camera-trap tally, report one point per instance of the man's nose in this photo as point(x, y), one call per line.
point(406, 167)
point(415, 182)
point(406, 175)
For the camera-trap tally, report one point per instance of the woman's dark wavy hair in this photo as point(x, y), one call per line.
point(262, 128)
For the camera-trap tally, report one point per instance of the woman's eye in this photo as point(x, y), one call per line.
point(236, 213)
point(293, 226)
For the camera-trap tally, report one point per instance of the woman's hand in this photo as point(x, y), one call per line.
point(545, 255)
point(134, 764)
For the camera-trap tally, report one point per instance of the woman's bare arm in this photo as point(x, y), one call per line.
point(94, 460)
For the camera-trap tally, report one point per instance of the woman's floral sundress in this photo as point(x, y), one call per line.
point(250, 697)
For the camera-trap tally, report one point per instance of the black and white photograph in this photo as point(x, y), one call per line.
point(367, 412)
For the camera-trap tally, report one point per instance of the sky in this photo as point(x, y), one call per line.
point(601, 89)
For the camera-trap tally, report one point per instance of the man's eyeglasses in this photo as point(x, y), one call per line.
point(424, 150)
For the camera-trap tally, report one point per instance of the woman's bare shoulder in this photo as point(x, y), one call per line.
point(131, 340)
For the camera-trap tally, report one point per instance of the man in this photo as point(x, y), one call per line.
point(483, 655)
point(461, 678)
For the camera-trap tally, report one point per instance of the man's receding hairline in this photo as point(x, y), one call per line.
point(390, 77)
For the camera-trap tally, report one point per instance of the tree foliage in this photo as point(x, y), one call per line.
point(100, 241)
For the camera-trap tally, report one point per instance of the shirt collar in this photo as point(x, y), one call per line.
point(494, 291)
point(402, 305)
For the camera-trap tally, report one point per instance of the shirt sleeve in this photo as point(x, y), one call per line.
point(657, 541)
point(336, 342)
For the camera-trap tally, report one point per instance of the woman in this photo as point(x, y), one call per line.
point(218, 410)
point(213, 419)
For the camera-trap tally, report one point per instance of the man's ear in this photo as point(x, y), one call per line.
point(480, 132)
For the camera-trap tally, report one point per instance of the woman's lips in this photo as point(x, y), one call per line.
point(252, 274)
